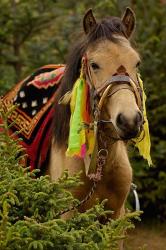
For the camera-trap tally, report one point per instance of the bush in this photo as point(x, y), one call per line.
point(151, 36)
point(29, 208)
point(44, 39)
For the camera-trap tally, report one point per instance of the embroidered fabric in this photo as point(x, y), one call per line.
point(33, 116)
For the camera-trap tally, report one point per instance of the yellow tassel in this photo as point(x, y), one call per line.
point(143, 142)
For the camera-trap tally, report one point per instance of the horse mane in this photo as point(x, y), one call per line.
point(104, 30)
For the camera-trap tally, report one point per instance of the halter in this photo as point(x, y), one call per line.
point(120, 78)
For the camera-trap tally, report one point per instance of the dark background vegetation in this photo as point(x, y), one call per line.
point(34, 33)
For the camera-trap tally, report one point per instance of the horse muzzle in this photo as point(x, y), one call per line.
point(129, 128)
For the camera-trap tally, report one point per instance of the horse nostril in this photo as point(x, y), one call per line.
point(126, 124)
point(121, 121)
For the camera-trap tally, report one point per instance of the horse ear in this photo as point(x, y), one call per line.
point(129, 21)
point(89, 21)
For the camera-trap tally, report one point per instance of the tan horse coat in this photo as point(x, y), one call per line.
point(104, 58)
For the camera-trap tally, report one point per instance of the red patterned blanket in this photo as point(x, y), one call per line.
point(33, 117)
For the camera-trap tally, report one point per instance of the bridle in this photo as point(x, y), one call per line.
point(120, 78)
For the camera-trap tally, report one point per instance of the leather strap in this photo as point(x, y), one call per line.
point(101, 93)
point(114, 79)
point(117, 78)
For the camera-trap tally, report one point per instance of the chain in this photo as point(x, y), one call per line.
point(101, 161)
point(87, 197)
point(95, 177)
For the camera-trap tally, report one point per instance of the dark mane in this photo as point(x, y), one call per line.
point(104, 30)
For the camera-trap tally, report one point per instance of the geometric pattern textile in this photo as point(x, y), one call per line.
point(33, 115)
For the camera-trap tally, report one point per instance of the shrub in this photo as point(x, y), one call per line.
point(29, 208)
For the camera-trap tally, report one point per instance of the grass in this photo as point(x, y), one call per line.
point(147, 237)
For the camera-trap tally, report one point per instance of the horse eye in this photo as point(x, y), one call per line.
point(94, 66)
point(138, 64)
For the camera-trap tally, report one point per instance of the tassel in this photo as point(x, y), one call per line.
point(81, 139)
point(65, 99)
point(143, 142)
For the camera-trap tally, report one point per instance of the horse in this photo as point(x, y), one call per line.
point(108, 54)
point(109, 65)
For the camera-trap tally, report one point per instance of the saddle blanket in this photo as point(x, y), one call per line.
point(34, 98)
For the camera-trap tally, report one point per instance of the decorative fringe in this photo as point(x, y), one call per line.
point(143, 142)
point(81, 138)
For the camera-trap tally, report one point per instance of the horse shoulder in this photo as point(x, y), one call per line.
point(59, 162)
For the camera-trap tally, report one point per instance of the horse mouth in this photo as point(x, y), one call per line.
point(129, 135)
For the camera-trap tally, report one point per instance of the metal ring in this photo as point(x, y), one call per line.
point(103, 152)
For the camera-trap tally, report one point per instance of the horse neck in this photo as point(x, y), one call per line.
point(117, 155)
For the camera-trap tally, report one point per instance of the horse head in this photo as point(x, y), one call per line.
point(111, 71)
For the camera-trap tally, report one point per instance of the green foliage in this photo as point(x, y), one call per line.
point(151, 36)
point(29, 208)
point(35, 33)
